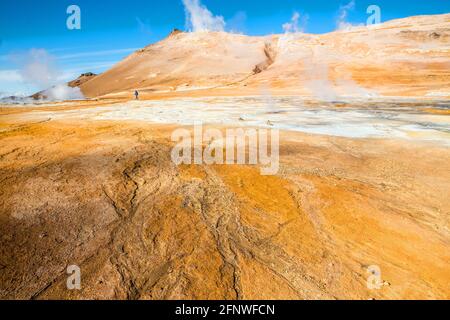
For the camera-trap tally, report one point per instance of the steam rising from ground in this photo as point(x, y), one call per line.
point(323, 87)
point(63, 92)
point(326, 84)
point(320, 86)
point(199, 18)
point(342, 23)
point(38, 68)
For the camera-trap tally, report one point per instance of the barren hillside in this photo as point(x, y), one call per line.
point(407, 57)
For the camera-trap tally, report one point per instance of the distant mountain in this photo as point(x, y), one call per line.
point(407, 57)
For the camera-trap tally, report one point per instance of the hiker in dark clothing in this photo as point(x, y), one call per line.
point(136, 93)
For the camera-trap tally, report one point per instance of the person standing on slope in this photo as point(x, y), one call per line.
point(136, 93)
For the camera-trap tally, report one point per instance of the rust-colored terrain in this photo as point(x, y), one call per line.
point(107, 197)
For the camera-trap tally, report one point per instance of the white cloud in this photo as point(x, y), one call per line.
point(12, 84)
point(10, 75)
point(199, 18)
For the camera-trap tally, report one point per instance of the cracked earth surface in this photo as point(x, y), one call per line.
point(107, 197)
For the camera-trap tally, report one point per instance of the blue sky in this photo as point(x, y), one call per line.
point(110, 30)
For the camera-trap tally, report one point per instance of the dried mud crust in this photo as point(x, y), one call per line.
point(107, 197)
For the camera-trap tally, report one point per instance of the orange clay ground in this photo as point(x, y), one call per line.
point(107, 197)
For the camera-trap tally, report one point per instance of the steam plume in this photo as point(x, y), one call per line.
point(199, 18)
